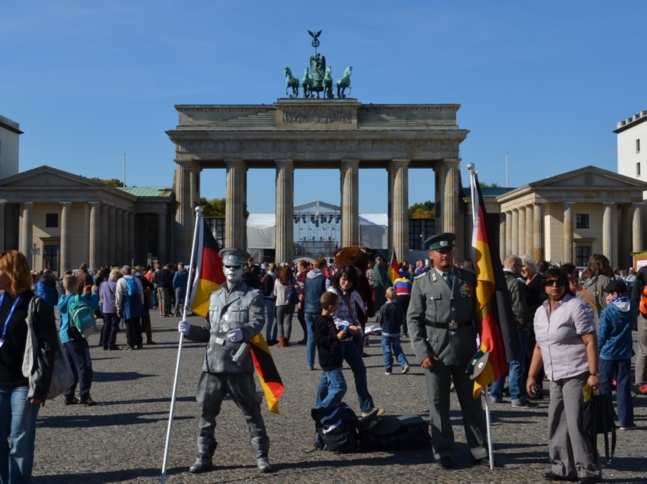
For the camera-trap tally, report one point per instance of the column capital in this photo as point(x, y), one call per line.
point(568, 205)
point(65, 204)
point(349, 163)
point(609, 204)
point(633, 204)
point(400, 162)
point(284, 163)
point(90, 203)
point(451, 161)
point(28, 204)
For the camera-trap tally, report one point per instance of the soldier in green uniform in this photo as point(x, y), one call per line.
point(443, 336)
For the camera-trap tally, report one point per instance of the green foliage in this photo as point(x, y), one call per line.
point(112, 182)
point(423, 210)
point(489, 185)
point(213, 208)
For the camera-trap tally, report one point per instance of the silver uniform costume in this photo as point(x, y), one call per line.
point(242, 308)
point(453, 341)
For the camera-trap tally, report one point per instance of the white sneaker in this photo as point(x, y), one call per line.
point(405, 370)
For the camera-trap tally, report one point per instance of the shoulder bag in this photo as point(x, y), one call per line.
point(62, 376)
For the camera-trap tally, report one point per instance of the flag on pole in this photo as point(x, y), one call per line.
point(209, 275)
point(266, 371)
point(394, 268)
point(496, 324)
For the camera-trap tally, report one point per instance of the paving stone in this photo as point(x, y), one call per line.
point(122, 438)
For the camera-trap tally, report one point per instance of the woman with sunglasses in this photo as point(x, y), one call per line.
point(566, 347)
point(20, 397)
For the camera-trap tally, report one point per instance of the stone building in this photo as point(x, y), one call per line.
point(9, 147)
point(63, 220)
point(568, 217)
point(632, 152)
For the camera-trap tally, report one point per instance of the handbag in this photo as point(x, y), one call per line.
point(62, 376)
point(293, 295)
point(598, 419)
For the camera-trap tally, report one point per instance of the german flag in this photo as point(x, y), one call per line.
point(394, 268)
point(267, 373)
point(496, 324)
point(209, 272)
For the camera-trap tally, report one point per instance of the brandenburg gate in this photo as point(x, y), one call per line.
point(339, 133)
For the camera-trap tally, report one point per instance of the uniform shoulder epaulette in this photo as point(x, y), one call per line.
point(420, 275)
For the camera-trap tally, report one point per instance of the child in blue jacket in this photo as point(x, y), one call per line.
point(615, 345)
point(77, 352)
point(391, 318)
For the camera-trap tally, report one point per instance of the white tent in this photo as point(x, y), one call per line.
point(316, 221)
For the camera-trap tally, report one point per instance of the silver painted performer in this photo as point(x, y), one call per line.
point(236, 315)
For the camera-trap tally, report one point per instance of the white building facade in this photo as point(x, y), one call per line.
point(9, 147)
point(632, 153)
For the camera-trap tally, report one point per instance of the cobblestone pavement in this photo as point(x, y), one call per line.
point(122, 438)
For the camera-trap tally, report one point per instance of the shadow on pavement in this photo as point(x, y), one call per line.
point(120, 376)
point(109, 476)
point(85, 421)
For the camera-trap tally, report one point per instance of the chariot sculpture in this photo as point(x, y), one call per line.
point(317, 77)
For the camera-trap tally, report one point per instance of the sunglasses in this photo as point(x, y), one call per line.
point(232, 267)
point(553, 282)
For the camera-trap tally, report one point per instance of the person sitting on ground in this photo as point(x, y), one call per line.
point(77, 350)
point(615, 345)
point(332, 385)
point(391, 318)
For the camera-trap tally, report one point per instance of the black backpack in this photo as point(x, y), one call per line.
point(336, 428)
point(407, 432)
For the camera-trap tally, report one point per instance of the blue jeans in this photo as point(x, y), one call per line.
point(311, 345)
point(270, 309)
point(624, 403)
point(153, 301)
point(389, 342)
point(517, 386)
point(332, 388)
point(78, 354)
point(18, 419)
point(353, 357)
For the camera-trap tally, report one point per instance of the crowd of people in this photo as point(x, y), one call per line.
point(574, 327)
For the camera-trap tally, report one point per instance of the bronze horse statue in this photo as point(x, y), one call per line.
point(291, 82)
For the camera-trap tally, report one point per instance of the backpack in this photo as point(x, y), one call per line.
point(81, 319)
point(131, 286)
point(336, 428)
point(642, 307)
point(407, 432)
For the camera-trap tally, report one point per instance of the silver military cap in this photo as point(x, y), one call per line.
point(234, 257)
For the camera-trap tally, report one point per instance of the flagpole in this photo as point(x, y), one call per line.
point(475, 214)
point(198, 220)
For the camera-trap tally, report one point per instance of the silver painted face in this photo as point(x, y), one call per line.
point(234, 274)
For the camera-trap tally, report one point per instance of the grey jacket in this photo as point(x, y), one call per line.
point(518, 298)
point(433, 301)
point(243, 309)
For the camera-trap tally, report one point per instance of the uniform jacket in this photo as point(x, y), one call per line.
point(243, 309)
point(432, 300)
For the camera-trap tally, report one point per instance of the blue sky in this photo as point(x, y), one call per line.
point(545, 81)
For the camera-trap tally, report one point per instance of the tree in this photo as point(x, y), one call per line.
point(423, 210)
point(489, 185)
point(213, 208)
point(112, 182)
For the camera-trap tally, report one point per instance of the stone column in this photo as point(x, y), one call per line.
point(502, 233)
point(450, 205)
point(529, 232)
point(112, 230)
point(235, 204)
point(538, 233)
point(439, 175)
point(3, 229)
point(514, 249)
point(284, 234)
point(522, 231)
point(25, 229)
point(65, 262)
point(162, 255)
point(636, 227)
point(400, 213)
point(184, 214)
point(95, 236)
point(568, 233)
point(118, 237)
point(194, 182)
point(607, 236)
point(349, 202)
point(103, 245)
point(508, 234)
point(124, 238)
point(131, 235)
point(389, 210)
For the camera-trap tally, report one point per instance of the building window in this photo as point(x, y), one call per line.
point(637, 169)
point(638, 146)
point(51, 220)
point(582, 255)
point(582, 221)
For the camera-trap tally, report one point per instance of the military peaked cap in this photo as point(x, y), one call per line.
point(233, 257)
point(441, 241)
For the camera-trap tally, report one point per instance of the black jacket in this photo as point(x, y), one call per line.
point(391, 317)
point(328, 345)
